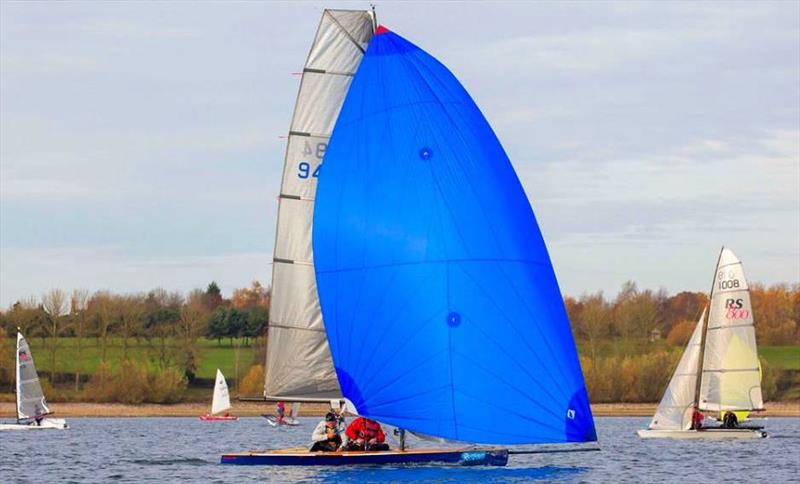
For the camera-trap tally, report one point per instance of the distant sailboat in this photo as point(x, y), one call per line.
point(441, 306)
point(221, 402)
point(290, 419)
point(719, 371)
point(32, 409)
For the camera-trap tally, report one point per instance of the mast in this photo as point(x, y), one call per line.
point(703, 335)
point(16, 369)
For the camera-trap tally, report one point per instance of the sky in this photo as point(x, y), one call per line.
point(140, 142)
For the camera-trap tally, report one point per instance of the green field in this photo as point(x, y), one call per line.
point(213, 355)
point(785, 357)
point(69, 360)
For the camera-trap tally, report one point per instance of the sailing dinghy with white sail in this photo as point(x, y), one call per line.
point(221, 402)
point(718, 372)
point(32, 409)
point(290, 420)
point(442, 313)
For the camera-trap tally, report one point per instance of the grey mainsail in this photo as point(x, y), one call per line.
point(298, 361)
point(30, 399)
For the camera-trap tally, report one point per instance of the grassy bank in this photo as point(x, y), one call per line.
point(84, 355)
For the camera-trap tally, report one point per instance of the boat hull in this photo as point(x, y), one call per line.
point(706, 434)
point(302, 457)
point(272, 420)
point(47, 424)
point(221, 418)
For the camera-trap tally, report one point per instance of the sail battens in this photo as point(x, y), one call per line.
point(298, 359)
point(304, 134)
point(732, 370)
point(293, 262)
point(731, 326)
point(30, 399)
point(731, 376)
point(296, 327)
point(296, 197)
point(29, 380)
point(345, 31)
point(331, 73)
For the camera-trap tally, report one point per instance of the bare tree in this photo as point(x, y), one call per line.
point(594, 321)
point(192, 325)
point(55, 305)
point(102, 306)
point(78, 305)
point(26, 314)
point(131, 312)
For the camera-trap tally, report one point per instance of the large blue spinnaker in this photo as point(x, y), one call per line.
point(440, 303)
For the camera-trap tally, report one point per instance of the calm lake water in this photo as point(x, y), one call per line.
point(186, 449)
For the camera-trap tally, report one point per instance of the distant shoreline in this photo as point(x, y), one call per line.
point(249, 409)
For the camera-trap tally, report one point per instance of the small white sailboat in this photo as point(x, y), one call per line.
point(719, 371)
point(290, 420)
point(32, 409)
point(221, 401)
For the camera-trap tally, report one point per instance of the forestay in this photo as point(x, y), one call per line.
point(441, 305)
point(731, 377)
point(674, 412)
point(30, 399)
point(298, 360)
point(222, 400)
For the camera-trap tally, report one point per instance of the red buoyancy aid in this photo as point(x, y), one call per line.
point(362, 428)
point(697, 419)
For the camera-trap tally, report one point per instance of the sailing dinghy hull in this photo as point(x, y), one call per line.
point(302, 457)
point(705, 434)
point(221, 418)
point(47, 424)
point(272, 420)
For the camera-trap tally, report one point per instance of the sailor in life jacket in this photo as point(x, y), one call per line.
point(365, 434)
point(280, 411)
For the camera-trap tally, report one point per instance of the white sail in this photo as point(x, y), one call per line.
point(222, 400)
point(30, 399)
point(731, 378)
point(674, 412)
point(298, 362)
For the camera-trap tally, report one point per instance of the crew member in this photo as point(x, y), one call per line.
point(365, 434)
point(327, 434)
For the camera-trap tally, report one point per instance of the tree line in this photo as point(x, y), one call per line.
point(628, 343)
point(637, 314)
point(169, 322)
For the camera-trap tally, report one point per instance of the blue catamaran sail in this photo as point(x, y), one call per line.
point(441, 307)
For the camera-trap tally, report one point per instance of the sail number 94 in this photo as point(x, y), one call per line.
point(304, 168)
